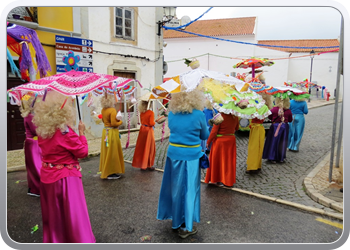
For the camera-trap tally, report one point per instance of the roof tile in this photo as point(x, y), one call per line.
point(301, 43)
point(216, 27)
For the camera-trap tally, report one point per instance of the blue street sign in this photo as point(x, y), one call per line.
point(82, 47)
point(73, 40)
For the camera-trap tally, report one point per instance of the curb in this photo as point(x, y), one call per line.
point(314, 194)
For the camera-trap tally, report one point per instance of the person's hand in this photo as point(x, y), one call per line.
point(81, 128)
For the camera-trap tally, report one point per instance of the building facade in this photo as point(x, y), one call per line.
point(234, 39)
point(125, 44)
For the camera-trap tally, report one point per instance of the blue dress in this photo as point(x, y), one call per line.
point(296, 127)
point(208, 115)
point(179, 198)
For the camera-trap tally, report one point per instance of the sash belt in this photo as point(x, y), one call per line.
point(184, 146)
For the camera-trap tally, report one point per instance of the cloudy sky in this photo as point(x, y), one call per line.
point(277, 23)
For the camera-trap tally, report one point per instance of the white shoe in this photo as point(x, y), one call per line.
point(113, 177)
point(35, 195)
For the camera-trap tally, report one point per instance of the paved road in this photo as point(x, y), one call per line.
point(124, 210)
point(281, 180)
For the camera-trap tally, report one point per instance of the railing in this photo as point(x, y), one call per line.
point(29, 14)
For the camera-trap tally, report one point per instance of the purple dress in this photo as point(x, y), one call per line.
point(32, 154)
point(275, 148)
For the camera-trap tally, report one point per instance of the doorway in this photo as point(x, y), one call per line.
point(15, 126)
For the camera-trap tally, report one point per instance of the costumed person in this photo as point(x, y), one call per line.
point(145, 149)
point(296, 127)
point(276, 142)
point(32, 151)
point(322, 92)
point(209, 114)
point(111, 157)
point(257, 139)
point(317, 92)
point(222, 158)
point(64, 211)
point(179, 198)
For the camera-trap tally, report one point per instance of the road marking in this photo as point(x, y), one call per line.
point(334, 224)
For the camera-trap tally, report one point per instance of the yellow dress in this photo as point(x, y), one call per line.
point(111, 157)
point(255, 145)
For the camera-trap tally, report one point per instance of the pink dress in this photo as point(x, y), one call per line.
point(64, 211)
point(32, 155)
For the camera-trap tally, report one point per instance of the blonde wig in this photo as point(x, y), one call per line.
point(49, 116)
point(268, 100)
point(25, 107)
point(185, 102)
point(108, 101)
point(143, 106)
point(208, 104)
point(282, 103)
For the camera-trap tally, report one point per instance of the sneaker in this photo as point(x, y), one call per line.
point(151, 168)
point(184, 233)
point(113, 176)
point(219, 184)
point(32, 194)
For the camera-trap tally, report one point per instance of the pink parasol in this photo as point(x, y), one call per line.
point(69, 83)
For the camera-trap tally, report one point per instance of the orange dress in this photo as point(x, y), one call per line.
point(222, 156)
point(145, 149)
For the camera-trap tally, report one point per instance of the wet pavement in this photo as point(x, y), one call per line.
point(302, 181)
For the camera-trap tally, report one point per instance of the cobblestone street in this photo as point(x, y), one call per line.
point(281, 180)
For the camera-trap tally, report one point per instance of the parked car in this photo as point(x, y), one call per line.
point(244, 124)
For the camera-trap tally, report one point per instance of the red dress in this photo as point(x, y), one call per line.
point(222, 156)
point(145, 149)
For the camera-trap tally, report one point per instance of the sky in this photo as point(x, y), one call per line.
point(278, 23)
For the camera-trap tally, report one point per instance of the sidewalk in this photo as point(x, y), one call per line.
point(316, 183)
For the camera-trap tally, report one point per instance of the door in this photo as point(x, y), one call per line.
point(126, 103)
point(15, 126)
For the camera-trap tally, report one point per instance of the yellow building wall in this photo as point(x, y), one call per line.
point(53, 17)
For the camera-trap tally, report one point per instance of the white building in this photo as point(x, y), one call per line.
point(221, 55)
point(126, 44)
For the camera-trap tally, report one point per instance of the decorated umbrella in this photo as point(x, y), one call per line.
point(291, 93)
point(242, 103)
point(70, 83)
point(191, 79)
point(253, 63)
point(283, 91)
point(26, 44)
point(260, 88)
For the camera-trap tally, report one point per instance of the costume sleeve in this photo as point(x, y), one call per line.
point(213, 134)
point(114, 121)
point(271, 115)
point(237, 123)
point(306, 110)
point(289, 116)
point(151, 119)
point(75, 144)
point(204, 133)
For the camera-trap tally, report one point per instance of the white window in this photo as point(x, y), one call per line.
point(124, 23)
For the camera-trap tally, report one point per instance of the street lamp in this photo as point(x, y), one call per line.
point(168, 15)
point(312, 55)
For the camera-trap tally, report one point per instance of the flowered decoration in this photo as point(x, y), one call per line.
point(71, 61)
